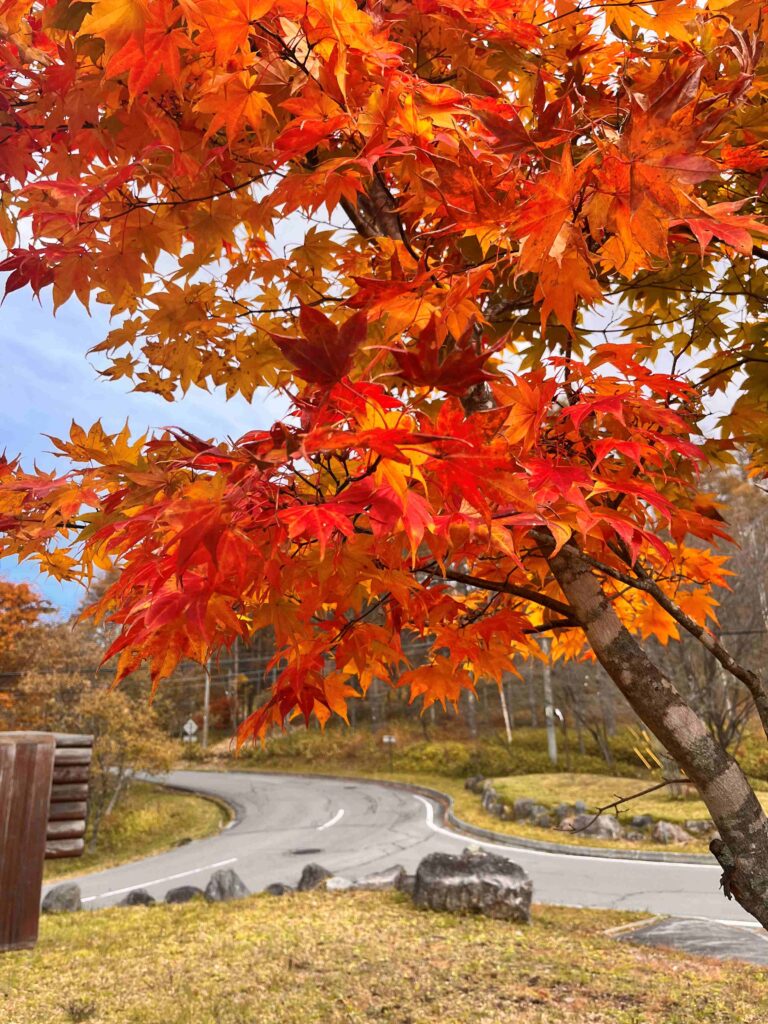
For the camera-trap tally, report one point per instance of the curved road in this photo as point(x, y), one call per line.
point(354, 828)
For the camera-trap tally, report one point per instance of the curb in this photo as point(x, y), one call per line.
point(448, 818)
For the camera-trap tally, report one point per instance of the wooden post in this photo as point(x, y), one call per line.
point(26, 773)
point(43, 805)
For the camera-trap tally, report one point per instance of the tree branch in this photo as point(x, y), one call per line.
point(708, 640)
point(620, 800)
point(505, 588)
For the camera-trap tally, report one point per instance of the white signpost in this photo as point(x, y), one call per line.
point(189, 729)
point(389, 742)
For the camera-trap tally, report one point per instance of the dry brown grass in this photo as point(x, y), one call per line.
point(364, 957)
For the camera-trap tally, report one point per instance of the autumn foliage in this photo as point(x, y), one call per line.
point(498, 256)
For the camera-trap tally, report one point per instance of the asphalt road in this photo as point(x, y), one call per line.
point(354, 828)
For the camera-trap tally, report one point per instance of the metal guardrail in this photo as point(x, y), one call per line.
point(43, 812)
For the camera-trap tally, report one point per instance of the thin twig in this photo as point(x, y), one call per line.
point(624, 800)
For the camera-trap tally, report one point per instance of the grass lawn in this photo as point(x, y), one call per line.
point(150, 819)
point(341, 958)
point(599, 790)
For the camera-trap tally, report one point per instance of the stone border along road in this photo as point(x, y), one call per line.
point(354, 827)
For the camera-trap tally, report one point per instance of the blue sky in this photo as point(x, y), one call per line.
point(46, 380)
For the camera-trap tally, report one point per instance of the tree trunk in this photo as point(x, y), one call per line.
point(735, 810)
point(471, 713)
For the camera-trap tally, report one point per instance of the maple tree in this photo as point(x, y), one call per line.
point(529, 256)
point(20, 608)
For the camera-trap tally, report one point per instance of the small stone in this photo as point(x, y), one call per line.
point(490, 798)
point(507, 813)
point(523, 807)
point(137, 898)
point(474, 783)
point(580, 807)
point(543, 820)
point(564, 811)
point(604, 826)
point(312, 877)
point(183, 894)
point(634, 836)
point(278, 889)
point(641, 821)
point(389, 879)
point(667, 832)
point(406, 884)
point(225, 884)
point(474, 882)
point(63, 899)
point(338, 884)
point(700, 826)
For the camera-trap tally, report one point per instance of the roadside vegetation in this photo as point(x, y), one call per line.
point(352, 958)
point(149, 820)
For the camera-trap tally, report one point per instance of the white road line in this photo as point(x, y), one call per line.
point(337, 817)
point(731, 924)
point(158, 881)
point(542, 853)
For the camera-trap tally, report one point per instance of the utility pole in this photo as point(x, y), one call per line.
point(549, 708)
point(206, 703)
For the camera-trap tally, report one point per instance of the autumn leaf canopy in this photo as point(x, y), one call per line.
point(503, 259)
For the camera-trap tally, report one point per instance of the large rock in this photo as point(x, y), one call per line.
point(225, 884)
point(667, 832)
point(63, 899)
point(137, 898)
point(183, 894)
point(604, 826)
point(481, 883)
point(312, 877)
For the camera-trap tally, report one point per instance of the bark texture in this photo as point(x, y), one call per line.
point(743, 848)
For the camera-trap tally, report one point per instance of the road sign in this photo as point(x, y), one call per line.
point(189, 728)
